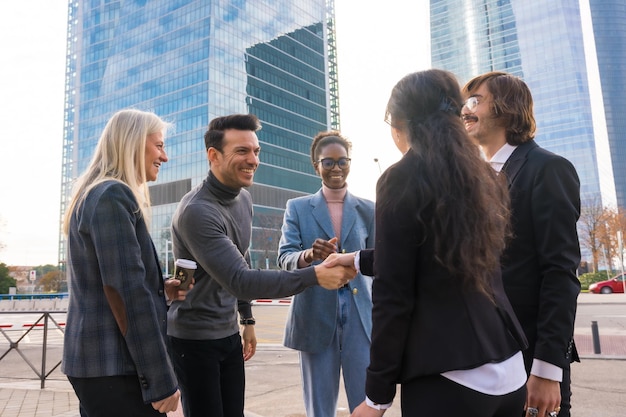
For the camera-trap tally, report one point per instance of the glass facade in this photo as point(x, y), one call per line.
point(545, 44)
point(190, 61)
point(609, 28)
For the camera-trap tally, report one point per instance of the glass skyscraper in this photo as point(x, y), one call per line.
point(190, 61)
point(609, 30)
point(572, 56)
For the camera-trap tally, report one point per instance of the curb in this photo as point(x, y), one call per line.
point(267, 301)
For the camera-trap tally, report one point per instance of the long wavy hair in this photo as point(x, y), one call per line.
point(119, 156)
point(461, 203)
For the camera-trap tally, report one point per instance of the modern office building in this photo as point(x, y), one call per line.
point(572, 54)
point(190, 61)
point(608, 18)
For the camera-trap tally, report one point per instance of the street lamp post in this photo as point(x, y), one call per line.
point(378, 163)
point(168, 246)
point(620, 247)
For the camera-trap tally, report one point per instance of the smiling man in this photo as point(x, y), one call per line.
point(212, 226)
point(540, 261)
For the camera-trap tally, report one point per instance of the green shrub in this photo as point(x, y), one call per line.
point(589, 278)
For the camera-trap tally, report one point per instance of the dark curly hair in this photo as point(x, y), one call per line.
point(326, 138)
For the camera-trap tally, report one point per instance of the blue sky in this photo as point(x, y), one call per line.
point(377, 46)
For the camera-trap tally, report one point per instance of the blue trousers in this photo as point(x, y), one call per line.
point(348, 353)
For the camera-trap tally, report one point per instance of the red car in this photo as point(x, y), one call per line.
point(615, 284)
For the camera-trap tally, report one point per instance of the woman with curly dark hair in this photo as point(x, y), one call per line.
point(329, 329)
point(442, 325)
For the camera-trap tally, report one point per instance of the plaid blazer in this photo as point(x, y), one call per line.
point(116, 319)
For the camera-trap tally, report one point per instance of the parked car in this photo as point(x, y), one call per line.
point(615, 284)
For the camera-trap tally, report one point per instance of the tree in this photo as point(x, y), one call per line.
point(615, 221)
point(44, 269)
point(5, 280)
point(51, 281)
point(591, 218)
point(598, 227)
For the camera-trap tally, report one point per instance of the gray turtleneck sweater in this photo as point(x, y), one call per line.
point(212, 226)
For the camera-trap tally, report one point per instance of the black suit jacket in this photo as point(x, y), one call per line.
point(539, 264)
point(424, 321)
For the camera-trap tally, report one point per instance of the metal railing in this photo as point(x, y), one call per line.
point(44, 323)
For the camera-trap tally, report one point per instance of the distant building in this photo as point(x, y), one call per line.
point(190, 61)
point(21, 274)
point(571, 54)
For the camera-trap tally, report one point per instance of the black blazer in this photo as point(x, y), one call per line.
point(539, 264)
point(424, 321)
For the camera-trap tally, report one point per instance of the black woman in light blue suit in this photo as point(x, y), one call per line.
point(330, 329)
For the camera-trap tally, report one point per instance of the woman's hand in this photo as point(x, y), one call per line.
point(167, 404)
point(320, 250)
point(345, 259)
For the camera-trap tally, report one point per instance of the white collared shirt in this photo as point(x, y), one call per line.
point(500, 157)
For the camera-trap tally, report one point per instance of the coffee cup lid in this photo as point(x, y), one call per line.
point(186, 263)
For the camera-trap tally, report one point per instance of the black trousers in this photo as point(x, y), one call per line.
point(566, 393)
point(210, 376)
point(111, 396)
point(438, 396)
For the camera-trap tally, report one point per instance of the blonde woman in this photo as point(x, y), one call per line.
point(115, 353)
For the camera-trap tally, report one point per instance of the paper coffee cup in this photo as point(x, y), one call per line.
point(184, 271)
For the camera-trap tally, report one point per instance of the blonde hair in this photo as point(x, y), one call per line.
point(119, 156)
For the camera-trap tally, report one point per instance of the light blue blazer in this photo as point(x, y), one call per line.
point(312, 317)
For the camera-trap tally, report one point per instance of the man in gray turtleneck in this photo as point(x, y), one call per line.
point(212, 226)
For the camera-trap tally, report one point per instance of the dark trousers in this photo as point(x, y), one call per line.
point(566, 393)
point(438, 396)
point(111, 396)
point(210, 375)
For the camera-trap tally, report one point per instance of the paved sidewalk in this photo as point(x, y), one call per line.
point(274, 390)
point(273, 377)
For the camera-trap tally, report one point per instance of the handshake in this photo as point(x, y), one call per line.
point(337, 269)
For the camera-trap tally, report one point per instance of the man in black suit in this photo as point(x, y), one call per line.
point(539, 264)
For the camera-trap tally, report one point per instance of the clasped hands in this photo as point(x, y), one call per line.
point(331, 274)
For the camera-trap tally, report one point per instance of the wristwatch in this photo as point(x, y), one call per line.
point(248, 322)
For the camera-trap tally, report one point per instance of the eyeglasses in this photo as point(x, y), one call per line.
point(329, 163)
point(472, 103)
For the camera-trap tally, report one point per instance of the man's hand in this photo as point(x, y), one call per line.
point(320, 250)
point(167, 404)
point(249, 341)
point(543, 394)
point(364, 410)
point(173, 292)
point(335, 277)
